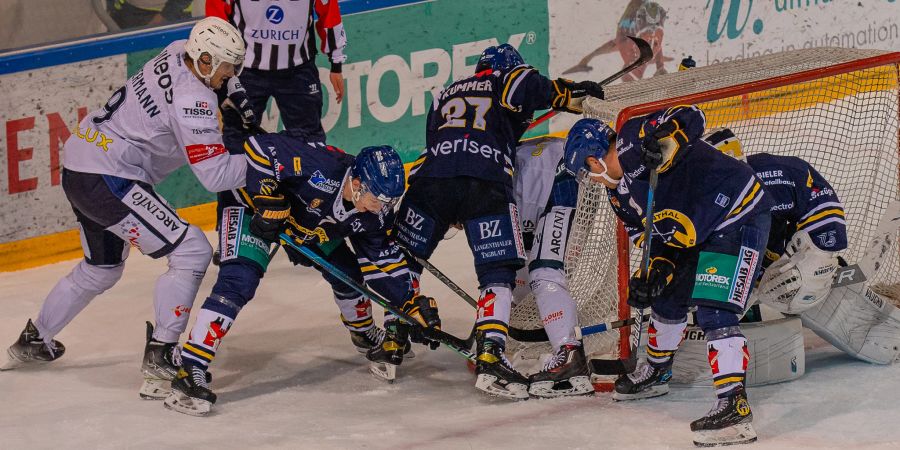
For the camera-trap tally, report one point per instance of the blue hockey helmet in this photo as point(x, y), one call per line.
point(588, 137)
point(380, 170)
point(499, 57)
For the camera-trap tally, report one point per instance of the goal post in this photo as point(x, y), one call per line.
point(836, 108)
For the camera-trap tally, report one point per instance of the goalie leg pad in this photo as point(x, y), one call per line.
point(858, 321)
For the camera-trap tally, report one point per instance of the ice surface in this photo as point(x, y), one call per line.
point(288, 377)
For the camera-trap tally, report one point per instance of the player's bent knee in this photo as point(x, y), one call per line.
point(670, 310)
point(96, 279)
point(193, 253)
point(237, 282)
point(496, 275)
point(545, 279)
point(709, 318)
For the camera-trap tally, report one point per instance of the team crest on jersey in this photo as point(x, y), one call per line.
point(267, 186)
point(674, 228)
point(322, 183)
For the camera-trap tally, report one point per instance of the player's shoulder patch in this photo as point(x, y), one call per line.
point(195, 106)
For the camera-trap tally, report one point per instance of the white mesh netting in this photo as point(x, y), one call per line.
point(836, 108)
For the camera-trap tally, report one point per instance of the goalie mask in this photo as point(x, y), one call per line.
point(800, 279)
point(588, 137)
point(723, 140)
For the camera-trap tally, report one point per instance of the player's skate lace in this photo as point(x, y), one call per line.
point(643, 374)
point(198, 376)
point(720, 405)
point(558, 359)
point(376, 335)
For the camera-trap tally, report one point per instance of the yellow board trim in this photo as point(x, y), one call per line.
point(66, 245)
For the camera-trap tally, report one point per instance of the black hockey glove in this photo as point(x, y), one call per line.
point(661, 146)
point(240, 102)
point(271, 213)
point(424, 310)
point(570, 94)
point(642, 291)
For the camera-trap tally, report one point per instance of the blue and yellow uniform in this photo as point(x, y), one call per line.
point(711, 221)
point(803, 201)
point(311, 176)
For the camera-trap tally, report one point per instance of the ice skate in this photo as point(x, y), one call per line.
point(565, 374)
point(31, 348)
point(161, 361)
point(729, 422)
point(373, 337)
point(386, 357)
point(190, 392)
point(495, 374)
point(645, 382)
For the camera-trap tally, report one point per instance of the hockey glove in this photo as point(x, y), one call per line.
point(659, 149)
point(570, 94)
point(271, 213)
point(240, 102)
point(424, 310)
point(642, 291)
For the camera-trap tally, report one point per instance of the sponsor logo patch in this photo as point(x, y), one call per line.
point(201, 152)
point(322, 183)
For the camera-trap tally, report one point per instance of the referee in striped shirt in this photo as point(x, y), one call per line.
point(280, 59)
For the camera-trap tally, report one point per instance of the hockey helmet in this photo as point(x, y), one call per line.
point(380, 172)
point(499, 57)
point(218, 39)
point(723, 140)
point(588, 137)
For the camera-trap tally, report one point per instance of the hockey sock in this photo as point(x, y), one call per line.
point(356, 311)
point(493, 312)
point(71, 294)
point(558, 312)
point(663, 338)
point(728, 358)
point(213, 322)
point(176, 289)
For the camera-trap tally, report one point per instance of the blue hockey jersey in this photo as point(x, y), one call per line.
point(474, 125)
point(803, 200)
point(311, 176)
point(700, 193)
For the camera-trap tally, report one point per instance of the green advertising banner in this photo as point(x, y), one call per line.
point(399, 58)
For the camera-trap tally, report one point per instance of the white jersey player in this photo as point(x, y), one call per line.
point(808, 229)
point(162, 119)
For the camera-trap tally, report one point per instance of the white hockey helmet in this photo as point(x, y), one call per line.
point(724, 140)
point(220, 40)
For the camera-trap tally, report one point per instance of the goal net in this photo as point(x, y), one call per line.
point(836, 108)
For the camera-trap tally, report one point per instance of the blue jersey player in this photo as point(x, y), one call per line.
point(320, 196)
point(709, 233)
point(464, 177)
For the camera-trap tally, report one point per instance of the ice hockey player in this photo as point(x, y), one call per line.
point(319, 195)
point(707, 236)
point(464, 176)
point(162, 118)
point(566, 372)
point(808, 229)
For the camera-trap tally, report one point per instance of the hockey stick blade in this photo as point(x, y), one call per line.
point(454, 343)
point(646, 54)
point(540, 335)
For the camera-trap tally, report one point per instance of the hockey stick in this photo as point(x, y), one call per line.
point(870, 262)
point(452, 342)
point(443, 278)
point(646, 54)
point(645, 263)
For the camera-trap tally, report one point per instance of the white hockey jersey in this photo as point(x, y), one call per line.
point(537, 161)
point(163, 118)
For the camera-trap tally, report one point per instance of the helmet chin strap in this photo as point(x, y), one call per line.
point(603, 175)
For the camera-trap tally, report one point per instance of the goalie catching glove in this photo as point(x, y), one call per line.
point(271, 213)
point(570, 94)
point(658, 149)
point(800, 279)
point(643, 290)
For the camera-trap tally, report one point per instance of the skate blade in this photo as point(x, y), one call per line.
point(742, 433)
point(155, 389)
point(580, 385)
point(383, 371)
point(179, 402)
point(488, 383)
point(408, 355)
point(652, 391)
